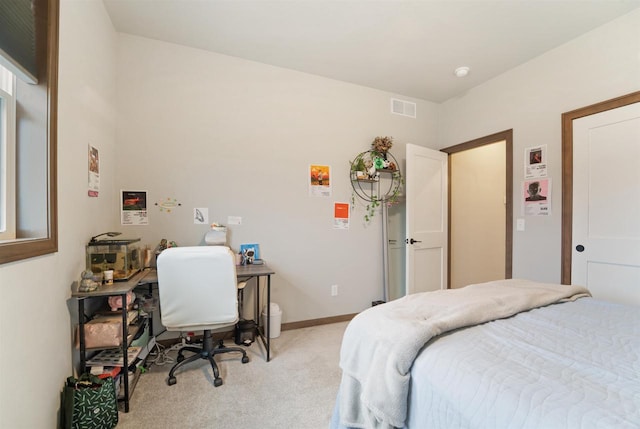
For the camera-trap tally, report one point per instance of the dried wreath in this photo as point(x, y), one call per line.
point(382, 144)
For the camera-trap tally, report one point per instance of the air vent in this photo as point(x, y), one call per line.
point(403, 108)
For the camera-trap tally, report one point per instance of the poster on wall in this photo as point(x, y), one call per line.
point(535, 162)
point(94, 171)
point(341, 215)
point(201, 216)
point(536, 197)
point(319, 180)
point(133, 208)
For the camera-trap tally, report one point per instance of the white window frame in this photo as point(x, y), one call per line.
point(7, 155)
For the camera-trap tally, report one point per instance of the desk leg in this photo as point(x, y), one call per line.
point(256, 311)
point(83, 349)
point(266, 327)
point(150, 319)
point(125, 367)
point(268, 317)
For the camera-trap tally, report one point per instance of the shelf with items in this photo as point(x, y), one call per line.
point(140, 327)
point(110, 361)
point(375, 179)
point(114, 357)
point(104, 330)
point(128, 326)
point(371, 167)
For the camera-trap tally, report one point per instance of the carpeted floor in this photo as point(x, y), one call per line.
point(296, 389)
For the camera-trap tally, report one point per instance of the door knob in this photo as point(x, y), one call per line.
point(411, 241)
point(580, 248)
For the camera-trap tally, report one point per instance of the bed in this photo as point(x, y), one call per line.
point(505, 354)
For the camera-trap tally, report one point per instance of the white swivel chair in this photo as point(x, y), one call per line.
point(198, 292)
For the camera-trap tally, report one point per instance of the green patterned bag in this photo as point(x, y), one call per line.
point(90, 403)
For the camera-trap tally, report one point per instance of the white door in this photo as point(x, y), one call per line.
point(606, 204)
point(426, 223)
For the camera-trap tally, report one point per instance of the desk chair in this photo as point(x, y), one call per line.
point(198, 292)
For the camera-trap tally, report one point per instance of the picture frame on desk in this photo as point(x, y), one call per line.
point(254, 246)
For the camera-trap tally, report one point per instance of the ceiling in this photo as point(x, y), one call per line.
point(409, 48)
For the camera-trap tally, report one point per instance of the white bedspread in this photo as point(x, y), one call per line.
point(381, 343)
point(571, 365)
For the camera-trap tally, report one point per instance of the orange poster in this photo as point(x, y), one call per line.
point(341, 215)
point(320, 180)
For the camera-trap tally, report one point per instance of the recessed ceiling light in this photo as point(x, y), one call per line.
point(461, 71)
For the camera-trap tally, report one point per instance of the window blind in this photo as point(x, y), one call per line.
point(18, 38)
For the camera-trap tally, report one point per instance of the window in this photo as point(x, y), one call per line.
point(7, 154)
point(28, 126)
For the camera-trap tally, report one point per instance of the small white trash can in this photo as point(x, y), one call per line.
point(275, 322)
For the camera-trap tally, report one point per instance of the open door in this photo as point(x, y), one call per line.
point(426, 219)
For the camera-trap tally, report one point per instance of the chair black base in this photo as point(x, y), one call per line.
point(207, 351)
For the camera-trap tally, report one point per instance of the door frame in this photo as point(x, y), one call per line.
point(567, 172)
point(507, 136)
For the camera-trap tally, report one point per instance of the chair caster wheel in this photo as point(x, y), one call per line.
point(217, 382)
point(180, 358)
point(245, 359)
point(171, 381)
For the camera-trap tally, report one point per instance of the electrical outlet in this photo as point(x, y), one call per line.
point(334, 290)
point(234, 220)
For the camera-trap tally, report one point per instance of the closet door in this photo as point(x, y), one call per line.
point(606, 204)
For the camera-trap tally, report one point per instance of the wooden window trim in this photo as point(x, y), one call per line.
point(20, 249)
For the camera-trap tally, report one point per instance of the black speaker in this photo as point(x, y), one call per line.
point(245, 332)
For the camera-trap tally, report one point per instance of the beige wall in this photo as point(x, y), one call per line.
point(530, 99)
point(237, 137)
point(35, 310)
point(477, 214)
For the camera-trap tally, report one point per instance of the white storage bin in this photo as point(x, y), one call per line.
point(275, 322)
